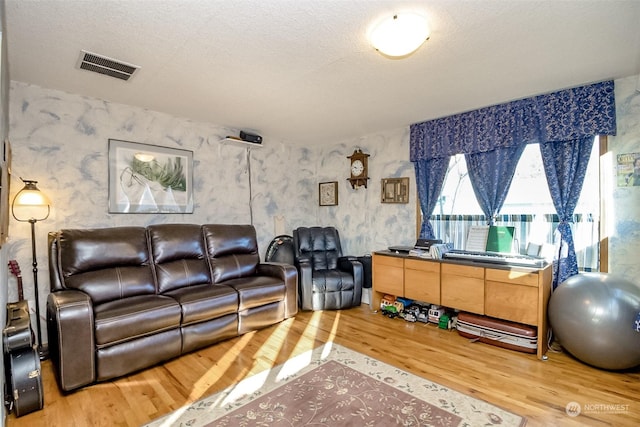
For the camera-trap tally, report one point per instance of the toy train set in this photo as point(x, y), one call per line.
point(501, 333)
point(412, 311)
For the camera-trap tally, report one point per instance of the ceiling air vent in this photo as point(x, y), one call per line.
point(107, 66)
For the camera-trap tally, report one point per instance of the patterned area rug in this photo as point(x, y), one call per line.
point(335, 386)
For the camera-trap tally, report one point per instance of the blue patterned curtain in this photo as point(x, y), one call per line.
point(565, 166)
point(430, 176)
point(559, 116)
point(491, 174)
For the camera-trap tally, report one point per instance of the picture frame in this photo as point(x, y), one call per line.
point(145, 178)
point(328, 193)
point(395, 190)
point(628, 169)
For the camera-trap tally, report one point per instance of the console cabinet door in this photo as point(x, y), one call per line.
point(422, 280)
point(462, 287)
point(512, 295)
point(388, 275)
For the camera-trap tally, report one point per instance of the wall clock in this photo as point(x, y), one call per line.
point(359, 169)
point(328, 193)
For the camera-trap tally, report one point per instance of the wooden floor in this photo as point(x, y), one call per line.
point(538, 390)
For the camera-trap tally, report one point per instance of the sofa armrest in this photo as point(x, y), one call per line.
point(289, 275)
point(70, 325)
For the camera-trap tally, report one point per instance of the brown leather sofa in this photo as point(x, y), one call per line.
point(126, 298)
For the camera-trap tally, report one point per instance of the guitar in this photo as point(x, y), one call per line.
point(23, 380)
point(15, 270)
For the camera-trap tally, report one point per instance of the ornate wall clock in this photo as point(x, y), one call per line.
point(359, 169)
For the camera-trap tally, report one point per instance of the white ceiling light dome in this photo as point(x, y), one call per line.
point(400, 34)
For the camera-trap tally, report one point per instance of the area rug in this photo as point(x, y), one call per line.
point(335, 386)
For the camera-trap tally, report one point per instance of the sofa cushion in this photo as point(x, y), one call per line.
point(113, 283)
point(205, 302)
point(134, 317)
point(232, 250)
point(257, 290)
point(198, 335)
point(117, 360)
point(93, 249)
point(179, 257)
point(107, 264)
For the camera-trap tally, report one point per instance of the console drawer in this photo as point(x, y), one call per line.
point(526, 278)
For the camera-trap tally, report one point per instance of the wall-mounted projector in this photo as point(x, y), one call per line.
point(250, 137)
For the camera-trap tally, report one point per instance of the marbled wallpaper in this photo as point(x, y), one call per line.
point(623, 223)
point(61, 141)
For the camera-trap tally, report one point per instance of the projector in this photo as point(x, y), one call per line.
point(250, 137)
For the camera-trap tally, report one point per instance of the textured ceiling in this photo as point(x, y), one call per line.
point(302, 71)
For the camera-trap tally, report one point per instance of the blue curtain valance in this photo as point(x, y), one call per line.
point(559, 116)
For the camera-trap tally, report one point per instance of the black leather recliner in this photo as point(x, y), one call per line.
point(327, 280)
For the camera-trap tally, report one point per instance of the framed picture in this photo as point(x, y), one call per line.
point(328, 193)
point(395, 190)
point(147, 178)
point(628, 170)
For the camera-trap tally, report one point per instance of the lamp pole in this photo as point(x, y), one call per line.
point(43, 351)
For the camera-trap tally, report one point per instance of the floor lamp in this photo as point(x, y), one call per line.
point(31, 205)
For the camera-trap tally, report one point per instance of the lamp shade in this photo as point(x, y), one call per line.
point(30, 204)
point(400, 35)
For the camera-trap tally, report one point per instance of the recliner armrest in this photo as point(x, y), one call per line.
point(349, 263)
point(305, 281)
point(305, 266)
point(289, 275)
point(352, 265)
point(70, 325)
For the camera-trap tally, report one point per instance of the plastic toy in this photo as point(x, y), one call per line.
point(423, 315)
point(390, 311)
point(435, 312)
point(445, 322)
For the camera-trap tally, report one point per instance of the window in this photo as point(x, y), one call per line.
point(528, 206)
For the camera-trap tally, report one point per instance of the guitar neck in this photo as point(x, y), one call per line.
point(20, 288)
point(15, 270)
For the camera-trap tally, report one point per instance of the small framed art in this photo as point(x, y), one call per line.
point(395, 190)
point(628, 170)
point(328, 193)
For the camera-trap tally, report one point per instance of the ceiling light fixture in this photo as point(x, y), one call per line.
point(400, 35)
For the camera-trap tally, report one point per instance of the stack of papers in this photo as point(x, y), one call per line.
point(439, 249)
point(420, 253)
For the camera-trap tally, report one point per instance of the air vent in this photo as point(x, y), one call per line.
point(107, 66)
